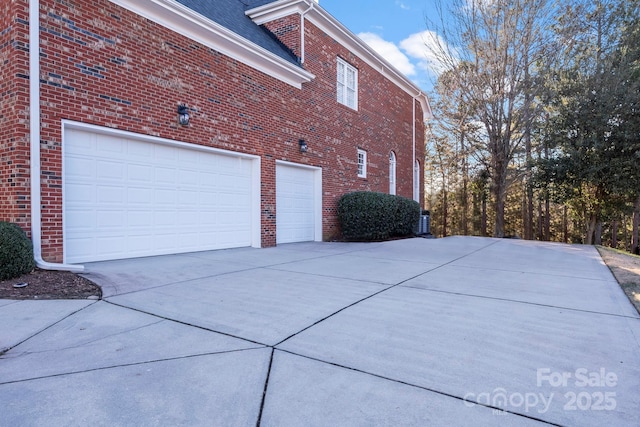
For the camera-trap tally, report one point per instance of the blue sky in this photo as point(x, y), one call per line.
point(396, 29)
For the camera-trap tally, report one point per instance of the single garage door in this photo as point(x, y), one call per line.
point(297, 204)
point(126, 197)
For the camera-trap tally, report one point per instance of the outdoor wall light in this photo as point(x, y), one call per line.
point(183, 115)
point(303, 145)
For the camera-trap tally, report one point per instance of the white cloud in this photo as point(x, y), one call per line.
point(390, 52)
point(402, 5)
point(422, 47)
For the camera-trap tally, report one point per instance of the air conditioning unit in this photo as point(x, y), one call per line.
point(424, 226)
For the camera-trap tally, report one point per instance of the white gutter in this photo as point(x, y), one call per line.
point(302, 31)
point(34, 125)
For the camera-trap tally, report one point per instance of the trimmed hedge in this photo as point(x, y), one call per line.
point(16, 251)
point(366, 215)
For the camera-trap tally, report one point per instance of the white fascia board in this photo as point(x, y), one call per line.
point(186, 22)
point(276, 10)
point(336, 30)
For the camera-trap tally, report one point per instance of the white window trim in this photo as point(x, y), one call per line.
point(392, 173)
point(362, 171)
point(342, 96)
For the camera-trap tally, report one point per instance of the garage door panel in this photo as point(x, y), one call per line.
point(142, 152)
point(109, 219)
point(126, 198)
point(139, 172)
point(139, 196)
point(80, 193)
point(190, 178)
point(188, 197)
point(138, 245)
point(139, 220)
point(83, 219)
point(165, 154)
point(165, 175)
point(165, 197)
point(110, 171)
point(81, 167)
point(295, 204)
point(108, 146)
point(108, 246)
point(187, 158)
point(82, 146)
point(110, 195)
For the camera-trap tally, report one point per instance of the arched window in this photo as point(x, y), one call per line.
point(392, 173)
point(416, 181)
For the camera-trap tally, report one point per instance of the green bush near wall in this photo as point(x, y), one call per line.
point(366, 215)
point(16, 251)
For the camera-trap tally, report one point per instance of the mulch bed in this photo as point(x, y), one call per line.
point(45, 284)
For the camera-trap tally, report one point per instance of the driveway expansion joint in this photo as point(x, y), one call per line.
point(378, 293)
point(266, 388)
point(442, 393)
point(124, 365)
point(625, 316)
point(188, 324)
point(3, 351)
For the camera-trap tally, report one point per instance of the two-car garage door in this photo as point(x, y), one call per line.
point(127, 197)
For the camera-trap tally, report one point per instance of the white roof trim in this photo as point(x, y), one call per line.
point(327, 23)
point(184, 21)
point(276, 10)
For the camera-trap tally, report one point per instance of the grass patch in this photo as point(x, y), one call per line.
point(626, 269)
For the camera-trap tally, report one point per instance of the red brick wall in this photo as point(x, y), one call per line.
point(104, 65)
point(382, 123)
point(287, 30)
point(14, 113)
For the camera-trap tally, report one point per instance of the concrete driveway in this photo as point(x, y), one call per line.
point(456, 331)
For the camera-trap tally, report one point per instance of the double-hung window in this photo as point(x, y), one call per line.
point(362, 163)
point(347, 84)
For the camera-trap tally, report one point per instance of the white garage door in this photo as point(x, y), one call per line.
point(126, 197)
point(296, 204)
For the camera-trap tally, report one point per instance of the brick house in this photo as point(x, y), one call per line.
point(288, 110)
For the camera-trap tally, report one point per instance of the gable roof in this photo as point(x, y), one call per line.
point(231, 15)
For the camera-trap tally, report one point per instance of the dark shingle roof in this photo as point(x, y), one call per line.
point(255, 3)
point(231, 14)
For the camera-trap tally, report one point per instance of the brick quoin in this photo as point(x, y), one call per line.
point(104, 65)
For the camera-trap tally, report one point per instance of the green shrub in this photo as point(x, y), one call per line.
point(16, 251)
point(407, 216)
point(365, 215)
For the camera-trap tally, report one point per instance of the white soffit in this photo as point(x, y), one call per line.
point(184, 21)
point(336, 30)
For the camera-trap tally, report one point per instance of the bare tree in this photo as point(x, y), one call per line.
point(453, 135)
point(489, 48)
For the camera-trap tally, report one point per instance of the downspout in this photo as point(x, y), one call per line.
point(34, 127)
point(302, 31)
